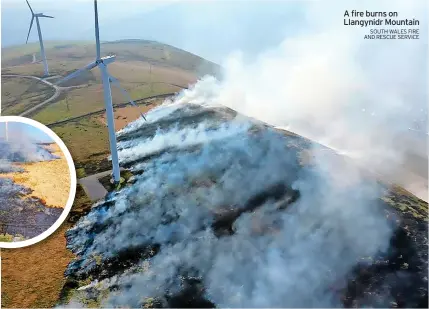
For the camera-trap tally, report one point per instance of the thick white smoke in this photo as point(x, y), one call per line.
point(20, 151)
point(195, 168)
point(300, 256)
point(359, 97)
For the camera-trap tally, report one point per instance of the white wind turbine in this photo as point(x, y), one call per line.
point(102, 63)
point(42, 48)
point(6, 131)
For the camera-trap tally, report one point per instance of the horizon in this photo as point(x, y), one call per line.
point(251, 28)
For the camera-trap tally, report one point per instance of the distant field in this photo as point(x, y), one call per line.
point(85, 100)
point(144, 69)
point(65, 56)
point(125, 115)
point(85, 139)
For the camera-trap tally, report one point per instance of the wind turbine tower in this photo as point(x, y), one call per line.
point(42, 48)
point(6, 131)
point(101, 63)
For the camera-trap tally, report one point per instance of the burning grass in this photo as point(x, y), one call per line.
point(225, 211)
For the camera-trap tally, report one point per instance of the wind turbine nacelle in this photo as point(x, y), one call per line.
point(108, 59)
point(42, 15)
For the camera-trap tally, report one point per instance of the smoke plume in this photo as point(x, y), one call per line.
point(363, 98)
point(224, 210)
point(24, 151)
point(227, 209)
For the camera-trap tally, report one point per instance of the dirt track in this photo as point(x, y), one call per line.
point(56, 94)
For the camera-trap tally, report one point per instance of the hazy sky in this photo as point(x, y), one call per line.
point(211, 29)
point(25, 131)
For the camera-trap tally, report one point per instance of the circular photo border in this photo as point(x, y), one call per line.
point(73, 183)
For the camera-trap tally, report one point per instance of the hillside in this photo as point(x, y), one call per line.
point(221, 210)
point(225, 211)
point(144, 68)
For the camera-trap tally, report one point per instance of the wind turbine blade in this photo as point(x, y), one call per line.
point(29, 30)
point(43, 15)
point(30, 7)
point(97, 32)
point(116, 83)
point(76, 73)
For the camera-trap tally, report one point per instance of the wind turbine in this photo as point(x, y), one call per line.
point(101, 63)
point(42, 48)
point(6, 131)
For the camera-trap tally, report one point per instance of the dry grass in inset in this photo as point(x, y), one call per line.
point(49, 180)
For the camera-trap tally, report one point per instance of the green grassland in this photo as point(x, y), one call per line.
point(20, 94)
point(82, 101)
point(144, 68)
point(85, 139)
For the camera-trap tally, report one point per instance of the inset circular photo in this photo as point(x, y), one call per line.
point(37, 182)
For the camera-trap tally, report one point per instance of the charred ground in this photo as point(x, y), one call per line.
point(220, 206)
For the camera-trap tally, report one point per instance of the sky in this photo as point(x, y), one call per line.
point(210, 29)
point(24, 130)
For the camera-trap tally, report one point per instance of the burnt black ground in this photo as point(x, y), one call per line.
point(396, 278)
point(22, 215)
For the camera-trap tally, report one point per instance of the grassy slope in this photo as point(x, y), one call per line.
point(33, 276)
point(86, 139)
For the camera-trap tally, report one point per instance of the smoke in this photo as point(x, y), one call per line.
point(21, 142)
point(7, 167)
point(326, 82)
point(225, 201)
point(17, 150)
point(226, 211)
